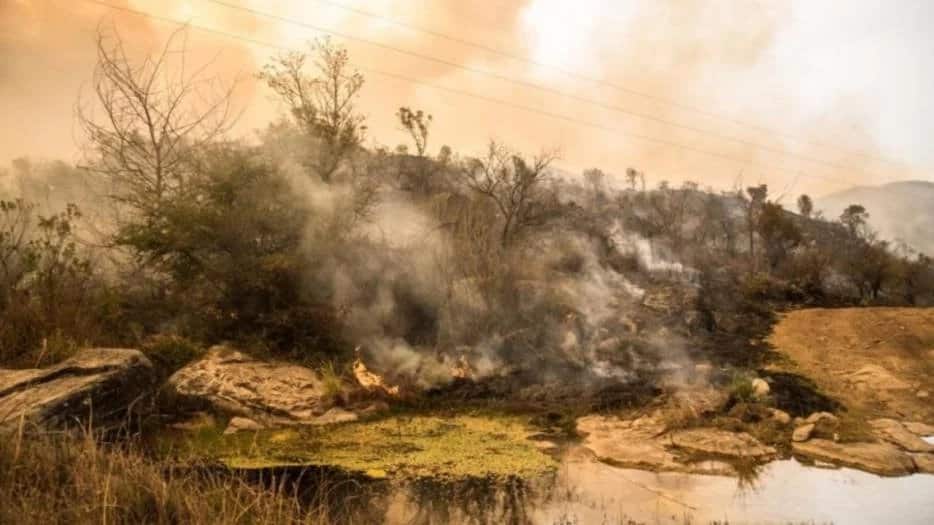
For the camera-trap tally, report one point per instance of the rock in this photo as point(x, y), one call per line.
point(718, 442)
point(637, 444)
point(918, 428)
point(922, 394)
point(642, 443)
point(803, 433)
point(896, 433)
point(335, 415)
point(877, 378)
point(924, 463)
point(700, 401)
point(781, 416)
point(879, 458)
point(106, 383)
point(760, 388)
point(236, 384)
point(237, 424)
point(817, 417)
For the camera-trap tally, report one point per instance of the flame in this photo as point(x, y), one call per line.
point(371, 381)
point(462, 369)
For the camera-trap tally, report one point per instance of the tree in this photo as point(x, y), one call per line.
point(855, 218)
point(668, 209)
point(324, 105)
point(417, 124)
point(805, 205)
point(632, 176)
point(778, 232)
point(757, 196)
point(514, 185)
point(153, 119)
point(595, 177)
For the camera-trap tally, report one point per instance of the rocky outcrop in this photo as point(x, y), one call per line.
point(644, 443)
point(879, 458)
point(721, 443)
point(898, 434)
point(924, 463)
point(97, 385)
point(232, 383)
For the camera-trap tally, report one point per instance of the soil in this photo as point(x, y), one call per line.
point(873, 361)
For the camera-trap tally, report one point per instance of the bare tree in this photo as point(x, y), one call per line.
point(146, 119)
point(324, 103)
point(632, 175)
point(514, 185)
point(417, 124)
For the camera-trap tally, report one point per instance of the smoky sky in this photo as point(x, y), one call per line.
point(837, 80)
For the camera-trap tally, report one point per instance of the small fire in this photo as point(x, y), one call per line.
point(371, 381)
point(462, 369)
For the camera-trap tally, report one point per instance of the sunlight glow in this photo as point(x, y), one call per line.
point(562, 32)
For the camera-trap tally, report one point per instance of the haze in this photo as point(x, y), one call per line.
point(842, 79)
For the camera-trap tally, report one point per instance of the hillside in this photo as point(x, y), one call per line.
point(900, 210)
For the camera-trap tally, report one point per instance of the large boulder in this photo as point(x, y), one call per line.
point(232, 383)
point(100, 383)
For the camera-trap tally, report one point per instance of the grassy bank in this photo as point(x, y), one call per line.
point(53, 479)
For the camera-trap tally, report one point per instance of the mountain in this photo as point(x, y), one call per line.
point(900, 210)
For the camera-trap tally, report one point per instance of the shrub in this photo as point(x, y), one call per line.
point(50, 300)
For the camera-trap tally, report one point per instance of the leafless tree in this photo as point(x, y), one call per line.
point(417, 124)
point(323, 103)
point(514, 185)
point(146, 118)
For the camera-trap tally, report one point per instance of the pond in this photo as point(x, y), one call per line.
point(783, 492)
point(428, 469)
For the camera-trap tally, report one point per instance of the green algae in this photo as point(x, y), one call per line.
point(414, 446)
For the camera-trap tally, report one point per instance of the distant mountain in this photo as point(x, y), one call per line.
point(900, 210)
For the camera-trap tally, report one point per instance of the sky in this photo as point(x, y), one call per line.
point(805, 95)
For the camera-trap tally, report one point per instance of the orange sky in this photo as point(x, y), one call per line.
point(860, 79)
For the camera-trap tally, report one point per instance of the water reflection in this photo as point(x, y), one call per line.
point(584, 491)
point(469, 502)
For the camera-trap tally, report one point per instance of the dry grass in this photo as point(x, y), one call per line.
point(51, 479)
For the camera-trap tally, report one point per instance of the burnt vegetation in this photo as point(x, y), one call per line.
point(309, 244)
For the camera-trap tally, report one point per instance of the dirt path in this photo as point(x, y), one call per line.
point(878, 362)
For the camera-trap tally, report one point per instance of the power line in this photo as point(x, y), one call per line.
point(485, 98)
point(533, 85)
point(598, 81)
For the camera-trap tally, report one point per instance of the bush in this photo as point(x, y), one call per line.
point(51, 302)
point(232, 251)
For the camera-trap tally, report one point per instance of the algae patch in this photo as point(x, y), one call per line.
point(408, 446)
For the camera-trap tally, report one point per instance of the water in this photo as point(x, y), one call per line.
point(585, 492)
point(784, 492)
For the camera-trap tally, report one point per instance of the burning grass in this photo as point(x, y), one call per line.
point(470, 445)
